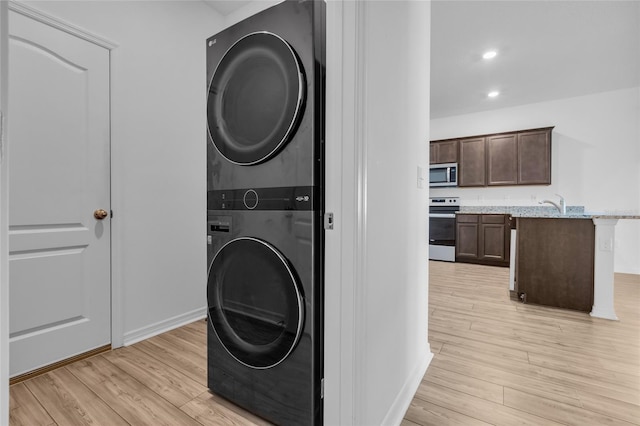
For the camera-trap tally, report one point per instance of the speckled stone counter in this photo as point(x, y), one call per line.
point(573, 212)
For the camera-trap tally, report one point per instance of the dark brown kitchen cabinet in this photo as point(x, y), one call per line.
point(471, 167)
point(494, 239)
point(519, 158)
point(483, 238)
point(534, 157)
point(510, 158)
point(467, 237)
point(554, 259)
point(502, 159)
point(443, 152)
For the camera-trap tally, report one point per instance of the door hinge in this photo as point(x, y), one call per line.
point(328, 221)
point(1, 135)
point(322, 388)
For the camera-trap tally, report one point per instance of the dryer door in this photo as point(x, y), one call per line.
point(255, 304)
point(255, 98)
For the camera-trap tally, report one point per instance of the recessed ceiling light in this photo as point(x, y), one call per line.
point(493, 94)
point(490, 54)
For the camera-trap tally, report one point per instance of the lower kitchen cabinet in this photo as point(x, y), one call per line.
point(483, 238)
point(467, 237)
point(554, 260)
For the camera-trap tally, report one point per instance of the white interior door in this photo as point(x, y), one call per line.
point(59, 254)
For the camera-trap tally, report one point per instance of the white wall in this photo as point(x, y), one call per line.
point(249, 10)
point(394, 349)
point(595, 158)
point(158, 84)
point(376, 283)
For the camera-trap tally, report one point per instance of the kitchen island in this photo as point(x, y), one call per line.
point(562, 260)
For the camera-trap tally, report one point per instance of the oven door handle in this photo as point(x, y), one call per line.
point(445, 215)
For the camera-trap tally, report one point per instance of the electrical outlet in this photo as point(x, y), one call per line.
point(606, 244)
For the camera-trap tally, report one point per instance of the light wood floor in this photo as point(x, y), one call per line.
point(496, 362)
point(504, 363)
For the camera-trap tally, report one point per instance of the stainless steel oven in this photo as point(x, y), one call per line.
point(442, 228)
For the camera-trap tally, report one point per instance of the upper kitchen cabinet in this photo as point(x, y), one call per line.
point(519, 158)
point(443, 152)
point(534, 157)
point(472, 164)
point(510, 158)
point(502, 159)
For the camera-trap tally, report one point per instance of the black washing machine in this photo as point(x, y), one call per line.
point(265, 321)
point(265, 173)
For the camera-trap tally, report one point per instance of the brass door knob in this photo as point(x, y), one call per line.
point(100, 214)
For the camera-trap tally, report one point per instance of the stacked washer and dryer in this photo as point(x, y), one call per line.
point(265, 203)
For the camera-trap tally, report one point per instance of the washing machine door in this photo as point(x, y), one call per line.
point(255, 304)
point(255, 98)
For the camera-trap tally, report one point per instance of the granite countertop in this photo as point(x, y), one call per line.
point(573, 212)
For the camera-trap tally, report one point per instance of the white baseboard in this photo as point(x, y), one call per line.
point(401, 404)
point(160, 327)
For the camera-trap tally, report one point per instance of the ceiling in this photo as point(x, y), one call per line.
point(225, 7)
point(546, 50)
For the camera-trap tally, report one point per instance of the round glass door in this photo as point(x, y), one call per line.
point(255, 98)
point(255, 305)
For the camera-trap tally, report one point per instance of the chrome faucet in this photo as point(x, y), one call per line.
point(562, 207)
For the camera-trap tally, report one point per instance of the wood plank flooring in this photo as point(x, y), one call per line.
point(496, 362)
point(160, 381)
point(500, 362)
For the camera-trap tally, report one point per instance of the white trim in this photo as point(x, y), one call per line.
point(603, 269)
point(117, 272)
point(337, 384)
point(4, 223)
point(360, 136)
point(400, 405)
point(512, 259)
point(345, 245)
point(59, 24)
point(163, 326)
point(117, 232)
point(345, 259)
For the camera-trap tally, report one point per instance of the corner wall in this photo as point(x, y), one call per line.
point(595, 158)
point(376, 287)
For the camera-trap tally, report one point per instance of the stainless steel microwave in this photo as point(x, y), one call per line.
point(445, 174)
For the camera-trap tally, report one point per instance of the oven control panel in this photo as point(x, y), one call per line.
point(444, 201)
